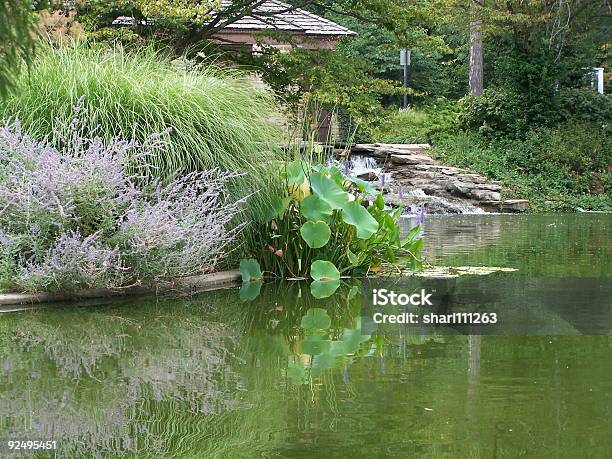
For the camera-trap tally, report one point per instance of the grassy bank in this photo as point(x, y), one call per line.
point(565, 167)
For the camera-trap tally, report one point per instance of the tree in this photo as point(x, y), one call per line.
point(17, 38)
point(187, 22)
point(476, 77)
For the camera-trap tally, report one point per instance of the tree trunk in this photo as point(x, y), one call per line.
point(476, 62)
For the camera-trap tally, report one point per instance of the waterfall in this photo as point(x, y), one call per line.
point(413, 199)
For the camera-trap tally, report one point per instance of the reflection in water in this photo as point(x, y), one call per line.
point(538, 245)
point(288, 375)
point(85, 377)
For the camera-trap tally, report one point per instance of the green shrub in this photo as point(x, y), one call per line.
point(216, 118)
point(497, 111)
point(584, 105)
point(577, 147)
point(562, 168)
point(507, 112)
point(417, 125)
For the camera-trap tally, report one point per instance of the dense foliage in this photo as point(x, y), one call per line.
point(539, 126)
point(210, 118)
point(326, 79)
point(72, 218)
point(557, 168)
point(17, 40)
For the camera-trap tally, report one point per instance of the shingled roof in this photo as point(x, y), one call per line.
point(282, 16)
point(270, 15)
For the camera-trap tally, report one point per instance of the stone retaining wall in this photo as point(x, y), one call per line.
point(193, 284)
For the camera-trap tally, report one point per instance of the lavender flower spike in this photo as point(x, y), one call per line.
point(346, 167)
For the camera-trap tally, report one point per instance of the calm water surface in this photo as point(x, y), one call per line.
point(286, 375)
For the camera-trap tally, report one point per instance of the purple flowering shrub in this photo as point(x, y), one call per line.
point(72, 261)
point(73, 218)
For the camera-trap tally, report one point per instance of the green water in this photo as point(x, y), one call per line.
point(211, 376)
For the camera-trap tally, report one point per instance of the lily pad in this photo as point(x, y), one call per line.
point(323, 271)
point(328, 190)
point(450, 272)
point(250, 270)
point(482, 270)
point(250, 290)
point(355, 214)
point(315, 345)
point(320, 289)
point(316, 234)
point(322, 362)
point(316, 319)
point(314, 208)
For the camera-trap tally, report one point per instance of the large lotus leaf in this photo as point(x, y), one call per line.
point(316, 319)
point(295, 172)
point(316, 234)
point(277, 207)
point(250, 290)
point(332, 172)
point(355, 214)
point(363, 186)
point(250, 270)
point(314, 208)
point(328, 190)
point(323, 271)
point(315, 345)
point(324, 289)
point(336, 175)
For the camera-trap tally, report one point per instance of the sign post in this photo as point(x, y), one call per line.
point(405, 62)
point(598, 73)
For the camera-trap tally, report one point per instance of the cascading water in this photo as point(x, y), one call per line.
point(359, 165)
point(452, 207)
point(415, 200)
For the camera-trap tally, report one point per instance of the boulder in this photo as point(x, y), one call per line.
point(411, 159)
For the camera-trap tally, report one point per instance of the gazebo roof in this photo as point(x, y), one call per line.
point(275, 15)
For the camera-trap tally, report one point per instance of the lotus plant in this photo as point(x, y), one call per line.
point(327, 224)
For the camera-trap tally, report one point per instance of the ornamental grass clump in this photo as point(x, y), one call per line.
point(214, 118)
point(73, 218)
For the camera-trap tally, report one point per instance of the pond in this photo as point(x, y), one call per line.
point(289, 376)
